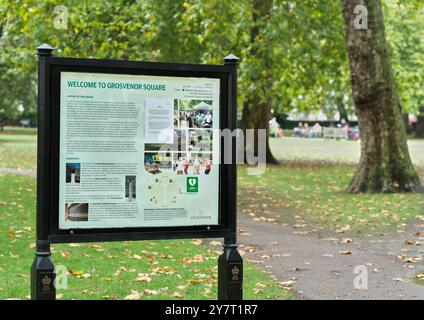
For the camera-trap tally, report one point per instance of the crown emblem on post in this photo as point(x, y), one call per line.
point(46, 281)
point(235, 271)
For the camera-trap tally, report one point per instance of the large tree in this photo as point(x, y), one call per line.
point(385, 164)
point(259, 76)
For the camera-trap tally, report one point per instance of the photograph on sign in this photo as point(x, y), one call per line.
point(138, 151)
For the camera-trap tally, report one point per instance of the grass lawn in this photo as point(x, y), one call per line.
point(178, 269)
point(315, 193)
point(19, 130)
point(18, 151)
point(334, 151)
point(419, 278)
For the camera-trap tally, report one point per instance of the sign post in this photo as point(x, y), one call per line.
point(132, 150)
point(42, 271)
point(230, 263)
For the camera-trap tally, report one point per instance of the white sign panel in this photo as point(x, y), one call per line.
point(159, 117)
point(138, 151)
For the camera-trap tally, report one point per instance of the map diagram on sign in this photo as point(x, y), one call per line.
point(163, 191)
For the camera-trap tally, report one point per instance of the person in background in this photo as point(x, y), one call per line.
point(280, 133)
point(186, 165)
point(208, 166)
point(179, 166)
point(305, 132)
point(196, 164)
point(273, 127)
point(345, 126)
point(315, 131)
point(208, 120)
point(298, 131)
point(354, 134)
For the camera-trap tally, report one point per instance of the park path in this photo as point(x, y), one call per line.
point(18, 171)
point(322, 267)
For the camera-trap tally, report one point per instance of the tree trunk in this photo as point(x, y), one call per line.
point(419, 127)
point(385, 164)
point(257, 107)
point(341, 108)
point(405, 119)
point(255, 115)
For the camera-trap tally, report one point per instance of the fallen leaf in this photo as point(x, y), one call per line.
point(97, 247)
point(75, 273)
point(420, 276)
point(120, 269)
point(286, 284)
point(197, 242)
point(343, 229)
point(135, 295)
point(177, 295)
point(409, 243)
point(148, 292)
point(194, 281)
point(65, 254)
point(144, 277)
point(164, 270)
point(346, 252)
point(395, 217)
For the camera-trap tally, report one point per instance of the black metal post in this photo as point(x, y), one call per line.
point(230, 263)
point(42, 271)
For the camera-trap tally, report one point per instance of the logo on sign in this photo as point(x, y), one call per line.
point(235, 274)
point(46, 283)
point(192, 184)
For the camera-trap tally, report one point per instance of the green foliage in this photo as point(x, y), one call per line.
point(298, 61)
point(405, 31)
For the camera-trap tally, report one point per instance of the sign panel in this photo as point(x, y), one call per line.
point(130, 150)
point(138, 151)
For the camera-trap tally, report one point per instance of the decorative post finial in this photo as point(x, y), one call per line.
point(231, 60)
point(45, 50)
